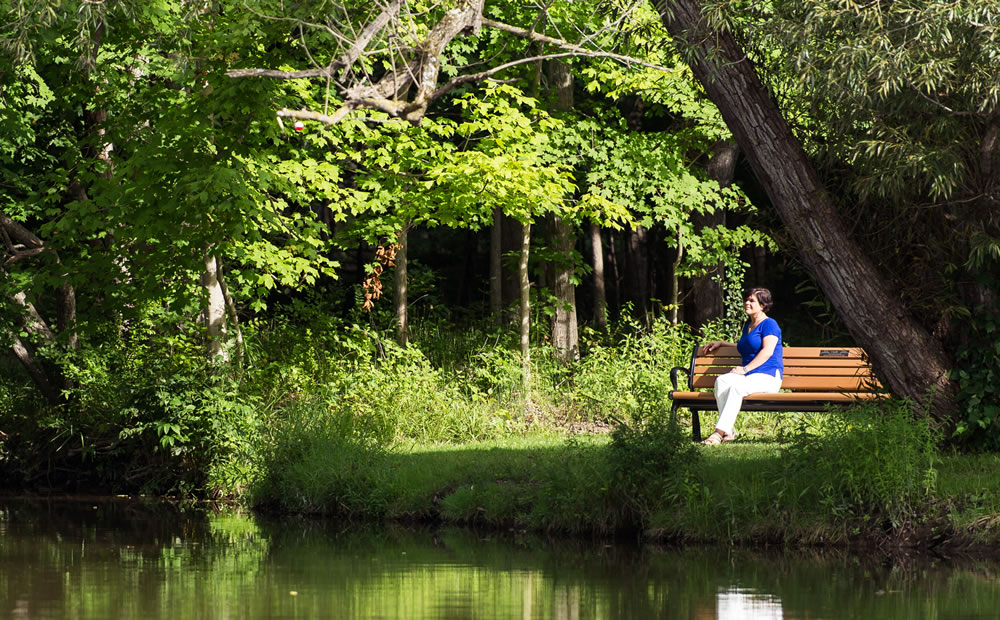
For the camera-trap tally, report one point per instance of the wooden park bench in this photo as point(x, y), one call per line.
point(814, 379)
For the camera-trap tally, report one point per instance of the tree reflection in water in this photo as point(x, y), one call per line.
point(123, 559)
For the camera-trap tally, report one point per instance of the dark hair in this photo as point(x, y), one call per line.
point(763, 298)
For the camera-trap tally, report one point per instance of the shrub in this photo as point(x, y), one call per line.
point(875, 460)
point(629, 381)
point(144, 411)
point(977, 373)
point(653, 465)
point(317, 464)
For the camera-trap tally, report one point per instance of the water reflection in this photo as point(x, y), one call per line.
point(742, 604)
point(123, 559)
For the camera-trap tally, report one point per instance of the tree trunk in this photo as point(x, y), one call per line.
point(637, 271)
point(67, 315)
point(214, 313)
point(512, 232)
point(600, 295)
point(32, 323)
point(234, 317)
point(705, 290)
point(565, 337)
point(675, 281)
point(35, 371)
point(496, 267)
point(905, 355)
point(525, 323)
point(402, 318)
point(20, 243)
point(616, 276)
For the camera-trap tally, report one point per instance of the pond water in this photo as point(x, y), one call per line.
point(122, 559)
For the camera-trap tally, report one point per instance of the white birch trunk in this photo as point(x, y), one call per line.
point(522, 268)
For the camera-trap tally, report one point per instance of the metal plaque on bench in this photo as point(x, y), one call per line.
point(835, 353)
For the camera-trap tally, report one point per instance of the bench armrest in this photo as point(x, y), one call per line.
point(673, 375)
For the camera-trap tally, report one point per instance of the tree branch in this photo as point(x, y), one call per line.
point(15, 254)
point(566, 45)
point(422, 71)
point(346, 59)
point(367, 34)
point(482, 75)
point(18, 232)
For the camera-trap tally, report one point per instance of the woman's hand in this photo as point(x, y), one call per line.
point(739, 370)
point(711, 346)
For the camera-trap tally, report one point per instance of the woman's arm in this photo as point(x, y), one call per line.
point(768, 344)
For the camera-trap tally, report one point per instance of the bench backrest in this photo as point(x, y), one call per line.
point(807, 369)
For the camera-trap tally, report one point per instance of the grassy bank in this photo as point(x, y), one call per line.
point(868, 477)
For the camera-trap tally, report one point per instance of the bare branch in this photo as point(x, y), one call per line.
point(347, 59)
point(307, 115)
point(295, 20)
point(280, 75)
point(566, 45)
point(421, 72)
point(367, 34)
point(482, 75)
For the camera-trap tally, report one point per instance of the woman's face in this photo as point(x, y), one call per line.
point(751, 306)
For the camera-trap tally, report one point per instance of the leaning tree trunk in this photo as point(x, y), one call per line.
point(904, 354)
point(234, 316)
point(34, 370)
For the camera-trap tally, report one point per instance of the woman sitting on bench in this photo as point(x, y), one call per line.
point(760, 348)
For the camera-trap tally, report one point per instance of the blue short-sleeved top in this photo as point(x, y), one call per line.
point(752, 341)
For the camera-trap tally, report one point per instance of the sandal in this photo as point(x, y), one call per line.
point(718, 437)
point(714, 439)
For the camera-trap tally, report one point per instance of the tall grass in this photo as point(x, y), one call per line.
point(876, 460)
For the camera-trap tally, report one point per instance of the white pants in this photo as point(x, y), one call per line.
point(730, 389)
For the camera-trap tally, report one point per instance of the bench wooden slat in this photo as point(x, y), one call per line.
point(820, 353)
point(729, 362)
point(811, 384)
point(856, 353)
point(802, 371)
point(819, 397)
point(808, 352)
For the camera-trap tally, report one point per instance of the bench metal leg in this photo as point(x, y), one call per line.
point(695, 425)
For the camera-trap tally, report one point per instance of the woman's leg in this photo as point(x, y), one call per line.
point(730, 389)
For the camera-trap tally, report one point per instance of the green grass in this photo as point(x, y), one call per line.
point(969, 485)
point(740, 493)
